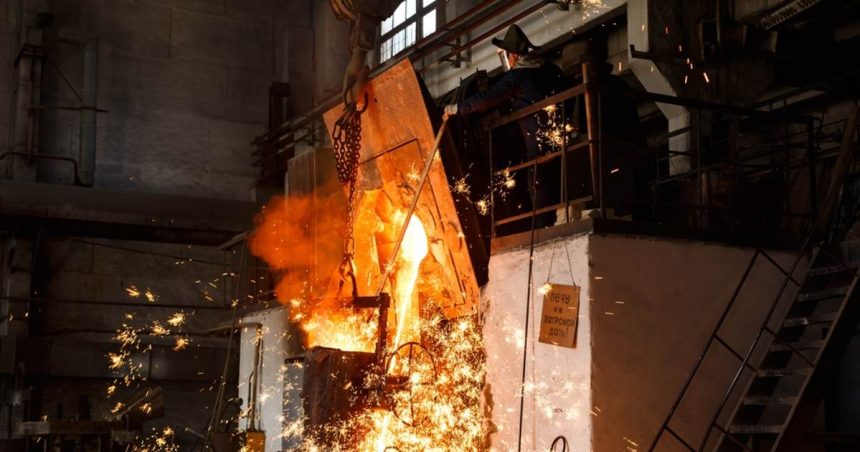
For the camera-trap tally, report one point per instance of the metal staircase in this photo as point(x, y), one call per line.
point(770, 398)
point(798, 339)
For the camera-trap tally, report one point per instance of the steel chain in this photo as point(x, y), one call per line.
point(346, 141)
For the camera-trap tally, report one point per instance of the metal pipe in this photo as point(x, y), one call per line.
point(255, 377)
point(33, 113)
point(23, 100)
point(38, 156)
point(89, 102)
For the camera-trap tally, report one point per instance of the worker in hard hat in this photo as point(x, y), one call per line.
point(528, 79)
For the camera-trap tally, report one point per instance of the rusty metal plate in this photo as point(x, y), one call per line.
point(396, 138)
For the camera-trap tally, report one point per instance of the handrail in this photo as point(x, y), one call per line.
point(541, 158)
point(569, 93)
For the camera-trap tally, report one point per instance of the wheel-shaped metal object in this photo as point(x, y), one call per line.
point(411, 377)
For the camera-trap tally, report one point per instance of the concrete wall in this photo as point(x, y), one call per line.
point(654, 304)
point(558, 379)
point(7, 44)
point(185, 85)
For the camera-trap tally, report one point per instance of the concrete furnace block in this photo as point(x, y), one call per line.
point(559, 401)
point(647, 305)
point(206, 38)
point(128, 27)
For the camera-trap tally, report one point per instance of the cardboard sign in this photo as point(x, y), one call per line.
point(559, 316)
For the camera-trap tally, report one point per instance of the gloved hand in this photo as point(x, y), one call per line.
point(450, 110)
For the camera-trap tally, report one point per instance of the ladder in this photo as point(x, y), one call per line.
point(794, 343)
point(805, 337)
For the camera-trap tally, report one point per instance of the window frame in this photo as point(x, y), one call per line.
point(437, 6)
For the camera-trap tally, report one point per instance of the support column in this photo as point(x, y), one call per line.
point(638, 34)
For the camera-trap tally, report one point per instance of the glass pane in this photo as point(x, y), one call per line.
point(385, 50)
point(426, 3)
point(428, 23)
point(400, 14)
point(386, 25)
point(410, 34)
point(398, 44)
point(410, 8)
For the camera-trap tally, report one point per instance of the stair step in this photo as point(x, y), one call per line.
point(784, 372)
point(799, 346)
point(756, 428)
point(768, 400)
point(809, 320)
point(826, 294)
point(831, 269)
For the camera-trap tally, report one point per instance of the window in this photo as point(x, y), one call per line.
point(411, 21)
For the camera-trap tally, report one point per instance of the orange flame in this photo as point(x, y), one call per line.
point(446, 390)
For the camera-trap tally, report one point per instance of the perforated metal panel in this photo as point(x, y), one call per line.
point(397, 136)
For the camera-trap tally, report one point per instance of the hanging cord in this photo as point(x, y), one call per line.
point(560, 439)
point(528, 304)
point(217, 409)
point(569, 262)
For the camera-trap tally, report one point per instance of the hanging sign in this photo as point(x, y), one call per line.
point(559, 316)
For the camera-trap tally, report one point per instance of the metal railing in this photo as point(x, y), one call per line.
point(564, 149)
point(721, 139)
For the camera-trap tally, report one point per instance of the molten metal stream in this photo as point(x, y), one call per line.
point(414, 250)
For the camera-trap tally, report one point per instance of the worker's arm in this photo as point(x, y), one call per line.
point(493, 97)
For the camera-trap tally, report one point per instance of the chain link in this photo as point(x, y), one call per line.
point(346, 141)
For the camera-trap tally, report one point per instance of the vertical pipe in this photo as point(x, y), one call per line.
point(89, 100)
point(254, 379)
point(492, 185)
point(565, 196)
point(601, 205)
point(655, 192)
point(35, 101)
point(23, 102)
point(698, 151)
point(810, 154)
point(591, 127)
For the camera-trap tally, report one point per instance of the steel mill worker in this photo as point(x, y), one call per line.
point(528, 79)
